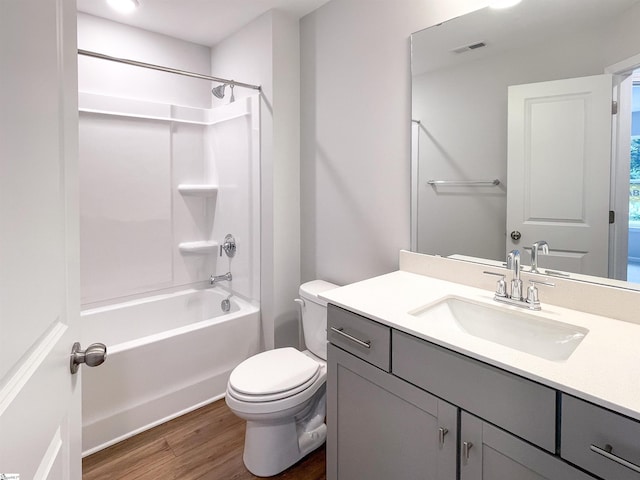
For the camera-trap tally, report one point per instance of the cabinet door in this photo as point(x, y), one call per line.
point(488, 453)
point(381, 427)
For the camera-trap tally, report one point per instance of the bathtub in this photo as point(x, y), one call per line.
point(166, 355)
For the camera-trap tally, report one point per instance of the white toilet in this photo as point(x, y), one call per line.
point(281, 393)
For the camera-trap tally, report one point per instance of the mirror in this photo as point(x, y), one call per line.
point(461, 73)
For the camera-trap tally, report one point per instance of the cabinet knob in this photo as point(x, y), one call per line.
point(441, 434)
point(466, 446)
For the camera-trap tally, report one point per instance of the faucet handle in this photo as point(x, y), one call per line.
point(501, 286)
point(532, 293)
point(540, 282)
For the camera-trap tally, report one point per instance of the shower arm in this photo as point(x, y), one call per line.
point(160, 68)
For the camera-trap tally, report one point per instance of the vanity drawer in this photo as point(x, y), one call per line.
point(588, 429)
point(364, 338)
point(524, 408)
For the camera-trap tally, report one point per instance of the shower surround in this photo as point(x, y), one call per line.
point(163, 178)
point(160, 187)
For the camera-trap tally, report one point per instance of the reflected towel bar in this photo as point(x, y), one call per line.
point(465, 183)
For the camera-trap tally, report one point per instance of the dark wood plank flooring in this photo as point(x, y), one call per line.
point(205, 444)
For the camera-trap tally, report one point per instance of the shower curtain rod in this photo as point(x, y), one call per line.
point(89, 53)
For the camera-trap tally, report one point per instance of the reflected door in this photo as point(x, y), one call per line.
point(559, 157)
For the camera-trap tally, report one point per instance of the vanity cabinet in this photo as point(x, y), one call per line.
point(382, 428)
point(520, 406)
point(599, 440)
point(490, 453)
point(400, 407)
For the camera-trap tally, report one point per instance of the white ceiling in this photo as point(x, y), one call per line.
point(205, 22)
point(526, 24)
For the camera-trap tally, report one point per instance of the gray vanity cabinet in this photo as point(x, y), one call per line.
point(599, 440)
point(489, 453)
point(520, 406)
point(382, 428)
point(401, 408)
point(379, 426)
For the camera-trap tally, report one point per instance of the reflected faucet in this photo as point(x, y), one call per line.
point(540, 244)
point(220, 278)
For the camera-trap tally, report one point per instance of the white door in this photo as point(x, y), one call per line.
point(39, 280)
point(559, 156)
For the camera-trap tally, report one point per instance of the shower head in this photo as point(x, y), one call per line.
point(218, 91)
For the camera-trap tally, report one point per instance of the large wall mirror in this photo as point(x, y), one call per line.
point(516, 136)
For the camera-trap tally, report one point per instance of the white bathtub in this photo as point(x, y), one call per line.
point(166, 355)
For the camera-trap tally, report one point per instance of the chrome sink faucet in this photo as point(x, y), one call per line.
point(539, 245)
point(220, 278)
point(513, 263)
point(515, 298)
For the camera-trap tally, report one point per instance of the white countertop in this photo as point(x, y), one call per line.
point(603, 369)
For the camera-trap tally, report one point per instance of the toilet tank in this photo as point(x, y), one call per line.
point(314, 316)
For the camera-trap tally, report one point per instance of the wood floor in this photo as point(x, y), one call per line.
point(205, 444)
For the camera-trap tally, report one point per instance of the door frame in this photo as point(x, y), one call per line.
point(620, 144)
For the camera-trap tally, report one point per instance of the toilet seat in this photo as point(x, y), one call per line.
point(273, 375)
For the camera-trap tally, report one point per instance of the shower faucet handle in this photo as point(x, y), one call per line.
point(229, 246)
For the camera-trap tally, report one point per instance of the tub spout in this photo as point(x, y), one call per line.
point(220, 278)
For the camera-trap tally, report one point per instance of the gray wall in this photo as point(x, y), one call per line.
point(355, 133)
point(355, 130)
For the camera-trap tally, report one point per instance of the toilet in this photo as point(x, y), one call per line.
point(281, 393)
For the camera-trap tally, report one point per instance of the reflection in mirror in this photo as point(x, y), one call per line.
point(524, 96)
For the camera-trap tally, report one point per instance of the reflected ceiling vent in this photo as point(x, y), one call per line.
point(468, 48)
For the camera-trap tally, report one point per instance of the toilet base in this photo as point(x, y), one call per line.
point(272, 447)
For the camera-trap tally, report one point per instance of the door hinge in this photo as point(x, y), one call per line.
point(612, 216)
point(614, 107)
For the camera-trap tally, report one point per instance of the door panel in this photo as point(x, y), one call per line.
point(39, 280)
point(559, 157)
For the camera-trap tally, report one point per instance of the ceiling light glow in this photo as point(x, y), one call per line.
point(503, 3)
point(123, 6)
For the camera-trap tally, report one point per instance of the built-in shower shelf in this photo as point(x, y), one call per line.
point(202, 247)
point(204, 190)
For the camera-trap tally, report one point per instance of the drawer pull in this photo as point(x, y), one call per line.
point(441, 434)
point(466, 446)
point(607, 452)
point(362, 343)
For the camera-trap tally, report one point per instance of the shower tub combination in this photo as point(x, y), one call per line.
point(167, 355)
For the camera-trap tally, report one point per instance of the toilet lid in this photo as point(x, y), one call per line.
point(273, 371)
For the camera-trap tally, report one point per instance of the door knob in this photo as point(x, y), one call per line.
point(94, 355)
point(515, 235)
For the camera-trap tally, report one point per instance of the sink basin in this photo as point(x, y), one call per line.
point(521, 331)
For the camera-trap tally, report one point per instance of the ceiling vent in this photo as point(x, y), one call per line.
point(468, 48)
